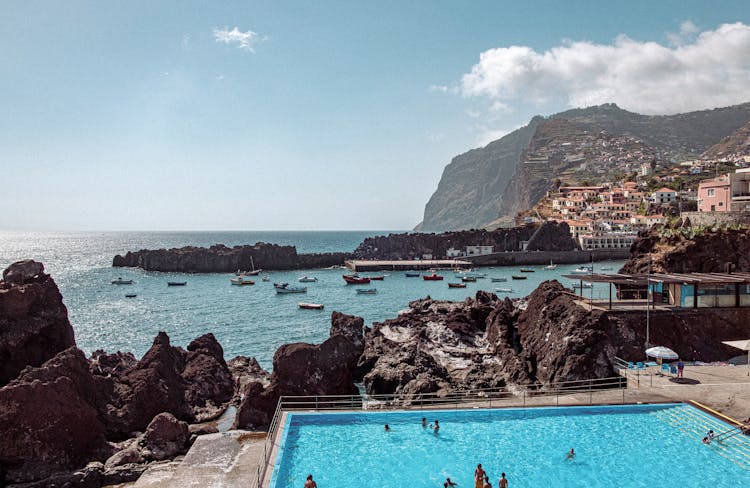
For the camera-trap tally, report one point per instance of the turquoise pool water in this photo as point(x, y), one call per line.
point(616, 446)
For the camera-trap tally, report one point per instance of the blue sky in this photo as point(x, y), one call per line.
point(314, 115)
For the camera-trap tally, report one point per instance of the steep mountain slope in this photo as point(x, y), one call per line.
point(732, 147)
point(514, 172)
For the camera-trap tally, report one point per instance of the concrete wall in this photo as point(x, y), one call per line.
point(544, 257)
point(713, 218)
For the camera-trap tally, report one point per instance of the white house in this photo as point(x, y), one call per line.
point(664, 195)
point(478, 250)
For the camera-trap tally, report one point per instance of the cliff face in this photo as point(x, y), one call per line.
point(511, 174)
point(689, 250)
point(223, 259)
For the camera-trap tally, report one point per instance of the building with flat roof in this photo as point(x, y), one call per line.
point(727, 193)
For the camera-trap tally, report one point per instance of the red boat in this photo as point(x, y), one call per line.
point(379, 278)
point(355, 280)
point(432, 277)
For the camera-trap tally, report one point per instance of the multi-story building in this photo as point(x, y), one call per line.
point(729, 192)
point(610, 240)
point(664, 195)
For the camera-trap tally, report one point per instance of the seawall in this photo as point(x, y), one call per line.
point(514, 258)
point(717, 218)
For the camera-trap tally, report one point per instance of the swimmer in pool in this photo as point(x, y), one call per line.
point(387, 428)
point(571, 455)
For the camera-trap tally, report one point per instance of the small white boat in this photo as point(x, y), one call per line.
point(310, 306)
point(501, 279)
point(551, 266)
point(504, 290)
point(291, 289)
point(120, 281)
point(367, 291)
point(583, 270)
point(242, 280)
point(266, 278)
point(307, 279)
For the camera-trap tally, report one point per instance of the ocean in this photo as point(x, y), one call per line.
point(247, 320)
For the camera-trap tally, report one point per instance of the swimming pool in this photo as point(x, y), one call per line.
point(616, 446)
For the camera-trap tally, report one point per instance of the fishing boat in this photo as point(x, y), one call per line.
point(241, 280)
point(551, 266)
point(501, 279)
point(456, 285)
point(412, 274)
point(131, 295)
point(176, 283)
point(468, 279)
point(291, 289)
point(517, 277)
point(583, 270)
point(367, 291)
point(471, 274)
point(586, 286)
point(504, 290)
point(120, 281)
point(253, 272)
point(527, 270)
point(310, 306)
point(266, 278)
point(307, 279)
point(355, 279)
point(280, 285)
point(432, 277)
point(378, 278)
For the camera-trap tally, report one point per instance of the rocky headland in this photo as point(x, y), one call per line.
point(550, 236)
point(683, 248)
point(222, 259)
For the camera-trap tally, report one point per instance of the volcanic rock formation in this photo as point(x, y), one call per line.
point(222, 259)
point(34, 322)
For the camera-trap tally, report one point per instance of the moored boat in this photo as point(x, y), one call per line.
point(367, 291)
point(583, 270)
point(355, 279)
point(120, 281)
point(241, 280)
point(412, 274)
point(131, 295)
point(501, 279)
point(517, 277)
point(307, 279)
point(504, 290)
point(266, 278)
point(527, 270)
point(310, 306)
point(432, 277)
point(468, 279)
point(176, 283)
point(280, 285)
point(291, 289)
point(456, 285)
point(551, 266)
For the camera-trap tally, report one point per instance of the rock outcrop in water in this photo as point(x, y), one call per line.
point(686, 249)
point(305, 370)
point(34, 322)
point(222, 259)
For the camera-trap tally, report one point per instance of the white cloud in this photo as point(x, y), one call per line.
point(243, 40)
point(699, 71)
point(687, 33)
point(487, 135)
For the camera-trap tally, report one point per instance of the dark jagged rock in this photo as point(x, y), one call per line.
point(104, 364)
point(34, 322)
point(552, 236)
point(49, 424)
point(222, 259)
point(209, 382)
point(689, 250)
point(307, 369)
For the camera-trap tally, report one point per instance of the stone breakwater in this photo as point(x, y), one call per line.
point(222, 259)
point(550, 236)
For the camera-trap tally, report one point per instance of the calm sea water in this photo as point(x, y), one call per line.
point(622, 446)
point(247, 320)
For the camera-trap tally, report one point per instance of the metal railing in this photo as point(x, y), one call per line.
point(526, 395)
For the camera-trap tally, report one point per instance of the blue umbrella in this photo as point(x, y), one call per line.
point(661, 352)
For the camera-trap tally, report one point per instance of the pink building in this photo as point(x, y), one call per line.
point(714, 195)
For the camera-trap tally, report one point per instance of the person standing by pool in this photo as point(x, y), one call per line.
point(680, 368)
point(310, 483)
point(503, 482)
point(479, 476)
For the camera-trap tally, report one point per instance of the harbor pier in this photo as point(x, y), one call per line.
point(357, 265)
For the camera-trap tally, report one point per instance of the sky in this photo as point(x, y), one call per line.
point(325, 115)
